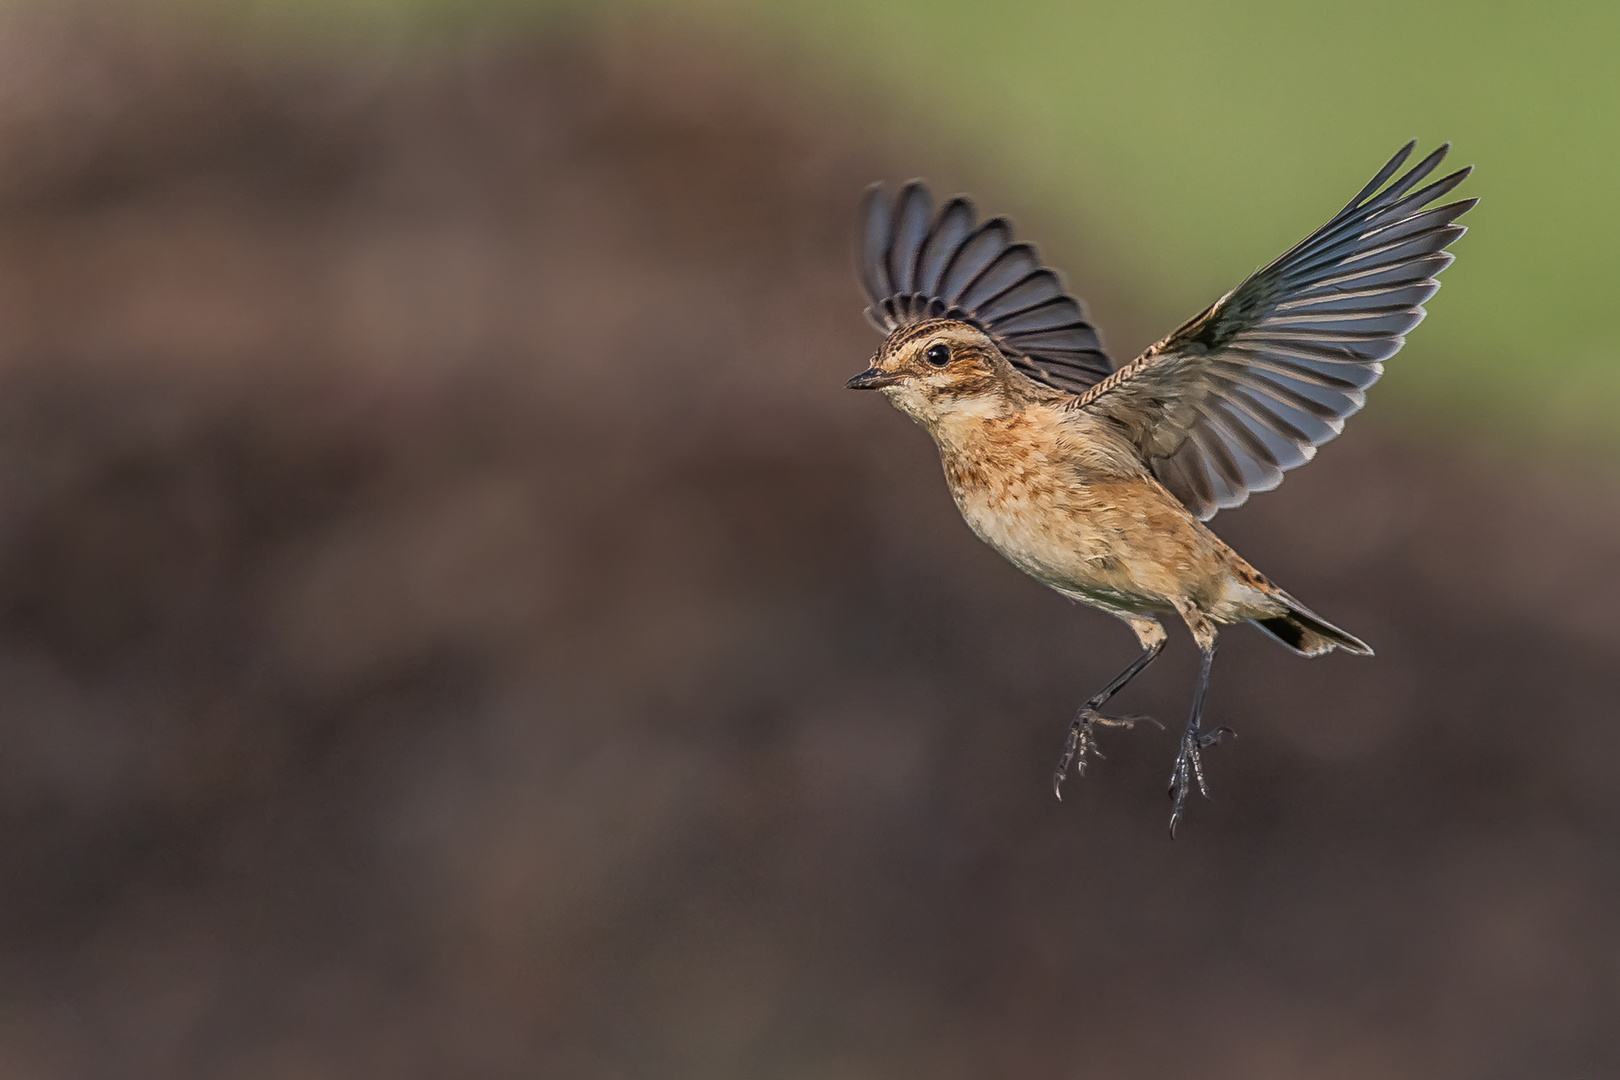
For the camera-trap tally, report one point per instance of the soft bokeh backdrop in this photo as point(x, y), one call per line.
point(1182, 143)
point(453, 623)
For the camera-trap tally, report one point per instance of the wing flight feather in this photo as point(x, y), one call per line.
point(1252, 386)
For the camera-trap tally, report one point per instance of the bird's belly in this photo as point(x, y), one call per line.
point(1065, 551)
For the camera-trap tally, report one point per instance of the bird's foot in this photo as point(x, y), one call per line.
point(1189, 768)
point(1081, 741)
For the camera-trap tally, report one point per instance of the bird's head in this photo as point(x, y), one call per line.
point(932, 369)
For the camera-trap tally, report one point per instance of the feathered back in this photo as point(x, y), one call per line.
point(918, 265)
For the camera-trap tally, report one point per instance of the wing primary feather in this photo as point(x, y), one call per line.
point(912, 211)
point(1327, 246)
point(874, 217)
point(1054, 313)
point(1359, 228)
point(1389, 170)
point(1357, 216)
point(1059, 337)
point(1413, 176)
point(1035, 287)
point(1399, 296)
point(1427, 194)
point(1411, 245)
point(951, 226)
point(975, 253)
point(1395, 272)
point(1014, 262)
point(1366, 201)
point(1422, 221)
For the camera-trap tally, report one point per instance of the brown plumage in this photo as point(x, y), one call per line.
point(1097, 480)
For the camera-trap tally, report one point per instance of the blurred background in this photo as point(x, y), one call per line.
point(453, 623)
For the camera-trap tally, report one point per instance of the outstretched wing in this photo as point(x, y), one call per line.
point(1251, 387)
point(918, 265)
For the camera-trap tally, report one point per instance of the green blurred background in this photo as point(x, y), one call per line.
point(1184, 144)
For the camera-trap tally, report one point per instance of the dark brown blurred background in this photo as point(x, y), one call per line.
point(453, 623)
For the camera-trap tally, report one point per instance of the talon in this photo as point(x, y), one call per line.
point(1179, 794)
point(1081, 742)
point(1189, 769)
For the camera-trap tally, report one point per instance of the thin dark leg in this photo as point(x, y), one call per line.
point(1080, 739)
point(1189, 763)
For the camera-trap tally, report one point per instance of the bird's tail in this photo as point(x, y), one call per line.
point(1308, 633)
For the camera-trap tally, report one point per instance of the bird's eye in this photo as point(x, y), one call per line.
point(938, 355)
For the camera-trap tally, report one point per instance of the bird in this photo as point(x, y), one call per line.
point(1097, 479)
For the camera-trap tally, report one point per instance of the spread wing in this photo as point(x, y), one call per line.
point(918, 265)
point(1251, 387)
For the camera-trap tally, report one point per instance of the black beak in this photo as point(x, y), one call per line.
point(871, 379)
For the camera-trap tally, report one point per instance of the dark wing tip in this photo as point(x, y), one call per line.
point(911, 189)
point(873, 241)
point(908, 228)
point(1383, 175)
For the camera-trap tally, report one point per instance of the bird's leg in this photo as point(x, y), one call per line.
point(1189, 768)
point(1080, 740)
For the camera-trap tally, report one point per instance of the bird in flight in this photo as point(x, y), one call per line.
point(1096, 479)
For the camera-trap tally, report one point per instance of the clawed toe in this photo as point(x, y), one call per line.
point(1081, 741)
point(1189, 769)
point(1125, 722)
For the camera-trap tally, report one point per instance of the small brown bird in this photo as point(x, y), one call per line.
point(1097, 480)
